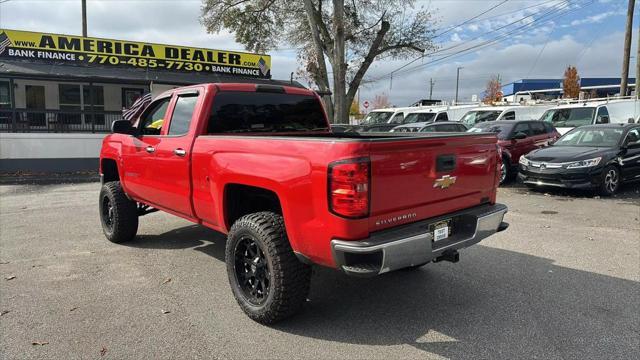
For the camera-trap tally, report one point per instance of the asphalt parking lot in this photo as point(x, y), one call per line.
point(561, 283)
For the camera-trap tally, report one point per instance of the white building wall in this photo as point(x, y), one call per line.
point(49, 146)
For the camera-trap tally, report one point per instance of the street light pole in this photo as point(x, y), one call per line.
point(627, 50)
point(84, 18)
point(457, 82)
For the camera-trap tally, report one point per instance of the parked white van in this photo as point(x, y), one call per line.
point(423, 116)
point(388, 115)
point(568, 116)
point(510, 112)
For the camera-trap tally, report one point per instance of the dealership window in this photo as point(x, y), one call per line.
point(35, 102)
point(73, 99)
point(5, 103)
point(5, 95)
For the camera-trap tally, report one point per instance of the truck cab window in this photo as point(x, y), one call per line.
point(182, 114)
point(152, 119)
point(262, 112)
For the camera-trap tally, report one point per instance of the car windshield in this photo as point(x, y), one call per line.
point(477, 116)
point(592, 137)
point(419, 117)
point(377, 117)
point(570, 117)
point(502, 130)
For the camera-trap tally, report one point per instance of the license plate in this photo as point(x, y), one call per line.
point(441, 230)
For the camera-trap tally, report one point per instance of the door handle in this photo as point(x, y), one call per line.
point(150, 149)
point(180, 152)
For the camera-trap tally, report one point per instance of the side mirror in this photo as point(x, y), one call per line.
point(519, 136)
point(122, 127)
point(602, 119)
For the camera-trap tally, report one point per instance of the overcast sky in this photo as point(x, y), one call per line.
point(585, 33)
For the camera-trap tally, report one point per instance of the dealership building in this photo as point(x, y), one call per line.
point(59, 94)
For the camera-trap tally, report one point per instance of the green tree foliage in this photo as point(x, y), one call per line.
point(350, 35)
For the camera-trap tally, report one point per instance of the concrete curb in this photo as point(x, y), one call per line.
point(47, 178)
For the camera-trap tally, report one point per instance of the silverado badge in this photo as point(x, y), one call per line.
point(444, 182)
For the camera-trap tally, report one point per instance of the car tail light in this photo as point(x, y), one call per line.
point(349, 186)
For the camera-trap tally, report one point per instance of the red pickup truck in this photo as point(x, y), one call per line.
point(259, 163)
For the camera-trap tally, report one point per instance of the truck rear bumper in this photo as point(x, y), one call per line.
point(413, 244)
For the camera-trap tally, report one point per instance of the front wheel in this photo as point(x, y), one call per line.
point(267, 280)
point(118, 214)
point(610, 181)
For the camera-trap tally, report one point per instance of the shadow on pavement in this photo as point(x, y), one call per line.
point(628, 192)
point(493, 304)
point(197, 237)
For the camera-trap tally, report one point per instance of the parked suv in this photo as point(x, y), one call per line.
point(517, 138)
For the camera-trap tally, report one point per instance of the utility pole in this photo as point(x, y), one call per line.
point(457, 82)
point(638, 67)
point(84, 18)
point(627, 50)
point(431, 83)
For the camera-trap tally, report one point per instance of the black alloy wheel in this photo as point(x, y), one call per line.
point(252, 270)
point(107, 214)
point(266, 278)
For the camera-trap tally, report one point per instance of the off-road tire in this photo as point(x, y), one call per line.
point(122, 225)
point(289, 279)
point(606, 188)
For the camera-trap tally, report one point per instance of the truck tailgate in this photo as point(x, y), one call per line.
point(418, 178)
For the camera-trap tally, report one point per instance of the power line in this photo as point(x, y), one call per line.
point(547, 16)
point(457, 45)
point(469, 20)
point(446, 31)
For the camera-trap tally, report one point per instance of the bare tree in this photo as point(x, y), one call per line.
point(493, 92)
point(571, 83)
point(381, 101)
point(350, 35)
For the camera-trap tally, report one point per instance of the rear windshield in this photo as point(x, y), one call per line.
point(239, 111)
point(502, 130)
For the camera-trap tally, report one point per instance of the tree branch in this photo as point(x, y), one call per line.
point(399, 46)
point(371, 55)
point(317, 46)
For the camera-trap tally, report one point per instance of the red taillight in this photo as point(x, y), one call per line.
point(349, 187)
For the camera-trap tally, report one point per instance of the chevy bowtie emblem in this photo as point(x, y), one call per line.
point(444, 182)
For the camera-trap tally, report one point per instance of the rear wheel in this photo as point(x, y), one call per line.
point(118, 214)
point(610, 181)
point(506, 174)
point(268, 281)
